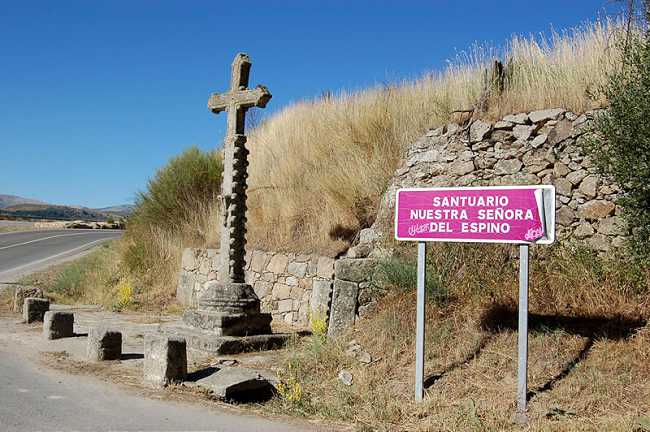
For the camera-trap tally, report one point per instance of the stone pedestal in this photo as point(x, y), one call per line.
point(57, 325)
point(228, 321)
point(104, 344)
point(229, 309)
point(34, 309)
point(165, 359)
point(23, 292)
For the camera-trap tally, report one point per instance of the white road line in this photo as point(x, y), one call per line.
point(50, 257)
point(41, 239)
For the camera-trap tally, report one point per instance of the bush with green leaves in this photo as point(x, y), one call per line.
point(187, 182)
point(620, 143)
point(171, 214)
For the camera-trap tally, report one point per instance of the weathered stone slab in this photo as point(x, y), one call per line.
point(165, 359)
point(239, 384)
point(547, 114)
point(104, 344)
point(321, 297)
point(225, 324)
point(344, 307)
point(507, 166)
point(478, 131)
point(58, 324)
point(521, 118)
point(23, 292)
point(354, 270)
point(596, 209)
point(207, 341)
point(34, 309)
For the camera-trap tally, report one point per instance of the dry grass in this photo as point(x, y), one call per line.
point(91, 279)
point(154, 254)
point(589, 365)
point(318, 168)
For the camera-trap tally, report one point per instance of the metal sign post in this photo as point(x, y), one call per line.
point(522, 373)
point(520, 215)
point(419, 323)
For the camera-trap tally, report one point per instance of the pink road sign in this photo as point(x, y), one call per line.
point(508, 214)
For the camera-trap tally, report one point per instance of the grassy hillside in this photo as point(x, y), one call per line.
point(55, 212)
point(319, 167)
point(10, 200)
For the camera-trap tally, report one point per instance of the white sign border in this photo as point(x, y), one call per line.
point(548, 203)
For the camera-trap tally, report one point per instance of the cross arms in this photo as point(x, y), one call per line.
point(247, 98)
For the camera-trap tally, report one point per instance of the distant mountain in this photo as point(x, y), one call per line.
point(122, 210)
point(54, 212)
point(12, 206)
point(10, 200)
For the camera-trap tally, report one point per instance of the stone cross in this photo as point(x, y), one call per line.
point(233, 188)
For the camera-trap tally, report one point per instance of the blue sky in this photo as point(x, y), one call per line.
point(96, 95)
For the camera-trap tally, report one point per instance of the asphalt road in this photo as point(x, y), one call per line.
point(36, 399)
point(29, 251)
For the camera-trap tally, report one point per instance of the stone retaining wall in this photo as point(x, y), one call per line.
point(540, 147)
point(292, 287)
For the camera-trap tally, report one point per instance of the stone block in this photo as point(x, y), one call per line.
point(23, 292)
point(258, 261)
point(344, 307)
point(58, 324)
point(185, 288)
point(321, 297)
point(354, 270)
point(517, 118)
point(479, 130)
point(589, 186)
point(325, 267)
point(34, 309)
point(565, 216)
point(596, 209)
point(281, 291)
point(278, 264)
point(576, 177)
point(240, 384)
point(189, 259)
point(298, 269)
point(104, 344)
point(544, 115)
point(563, 186)
point(507, 166)
point(285, 305)
point(165, 359)
point(522, 133)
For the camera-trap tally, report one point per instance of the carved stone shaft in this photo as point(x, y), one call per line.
point(233, 223)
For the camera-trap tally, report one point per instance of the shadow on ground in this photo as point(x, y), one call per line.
point(504, 318)
point(501, 318)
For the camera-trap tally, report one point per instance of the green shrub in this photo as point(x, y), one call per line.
point(179, 189)
point(621, 140)
point(177, 210)
point(400, 272)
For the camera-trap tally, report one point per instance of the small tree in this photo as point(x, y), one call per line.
point(621, 140)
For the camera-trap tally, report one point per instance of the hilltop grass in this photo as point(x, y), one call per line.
point(319, 168)
point(589, 363)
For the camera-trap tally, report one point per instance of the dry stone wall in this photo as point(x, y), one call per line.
point(292, 287)
point(540, 147)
